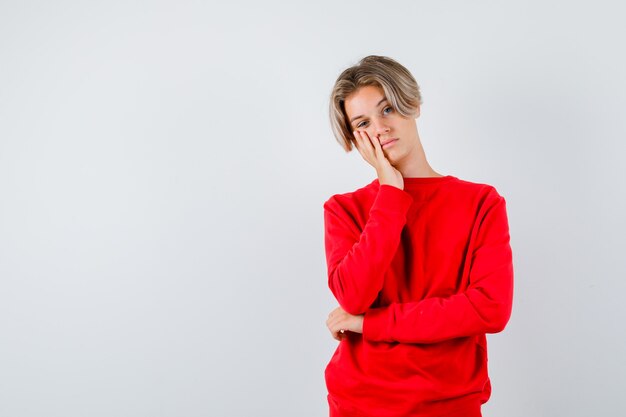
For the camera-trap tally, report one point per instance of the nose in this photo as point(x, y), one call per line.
point(380, 128)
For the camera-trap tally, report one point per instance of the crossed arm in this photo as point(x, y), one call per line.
point(483, 307)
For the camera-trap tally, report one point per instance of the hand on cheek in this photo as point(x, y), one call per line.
point(373, 154)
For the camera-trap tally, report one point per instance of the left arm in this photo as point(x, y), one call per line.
point(484, 307)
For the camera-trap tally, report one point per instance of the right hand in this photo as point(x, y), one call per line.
point(372, 152)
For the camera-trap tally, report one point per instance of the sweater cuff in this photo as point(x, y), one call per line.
point(392, 198)
point(376, 326)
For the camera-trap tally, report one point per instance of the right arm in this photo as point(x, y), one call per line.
point(357, 262)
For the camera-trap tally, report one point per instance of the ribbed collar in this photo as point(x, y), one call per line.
point(420, 182)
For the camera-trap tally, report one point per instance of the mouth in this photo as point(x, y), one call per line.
point(389, 142)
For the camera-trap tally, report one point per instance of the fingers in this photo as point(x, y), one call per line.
point(339, 335)
point(376, 144)
point(361, 146)
point(364, 139)
point(335, 323)
point(369, 148)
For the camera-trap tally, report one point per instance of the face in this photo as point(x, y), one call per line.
point(367, 109)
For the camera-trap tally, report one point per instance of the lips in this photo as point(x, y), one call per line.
point(388, 141)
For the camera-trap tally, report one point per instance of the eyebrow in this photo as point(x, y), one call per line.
point(377, 104)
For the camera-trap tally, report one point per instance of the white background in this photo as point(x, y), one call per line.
point(163, 167)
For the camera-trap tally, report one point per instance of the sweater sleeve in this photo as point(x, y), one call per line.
point(357, 261)
point(484, 307)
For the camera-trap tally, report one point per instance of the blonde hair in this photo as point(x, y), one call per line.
point(397, 83)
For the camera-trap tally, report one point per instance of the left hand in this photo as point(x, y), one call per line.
point(339, 322)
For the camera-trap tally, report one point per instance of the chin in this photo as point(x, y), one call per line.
point(395, 160)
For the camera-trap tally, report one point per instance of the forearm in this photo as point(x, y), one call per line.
point(475, 311)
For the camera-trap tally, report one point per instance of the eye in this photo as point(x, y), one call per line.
point(360, 125)
point(388, 108)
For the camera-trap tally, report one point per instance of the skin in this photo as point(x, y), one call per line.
point(405, 158)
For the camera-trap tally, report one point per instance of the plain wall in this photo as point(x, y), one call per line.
point(163, 167)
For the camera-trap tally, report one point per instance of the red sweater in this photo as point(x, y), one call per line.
point(431, 269)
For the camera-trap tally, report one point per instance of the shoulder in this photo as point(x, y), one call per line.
point(488, 204)
point(477, 191)
point(475, 199)
point(356, 199)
